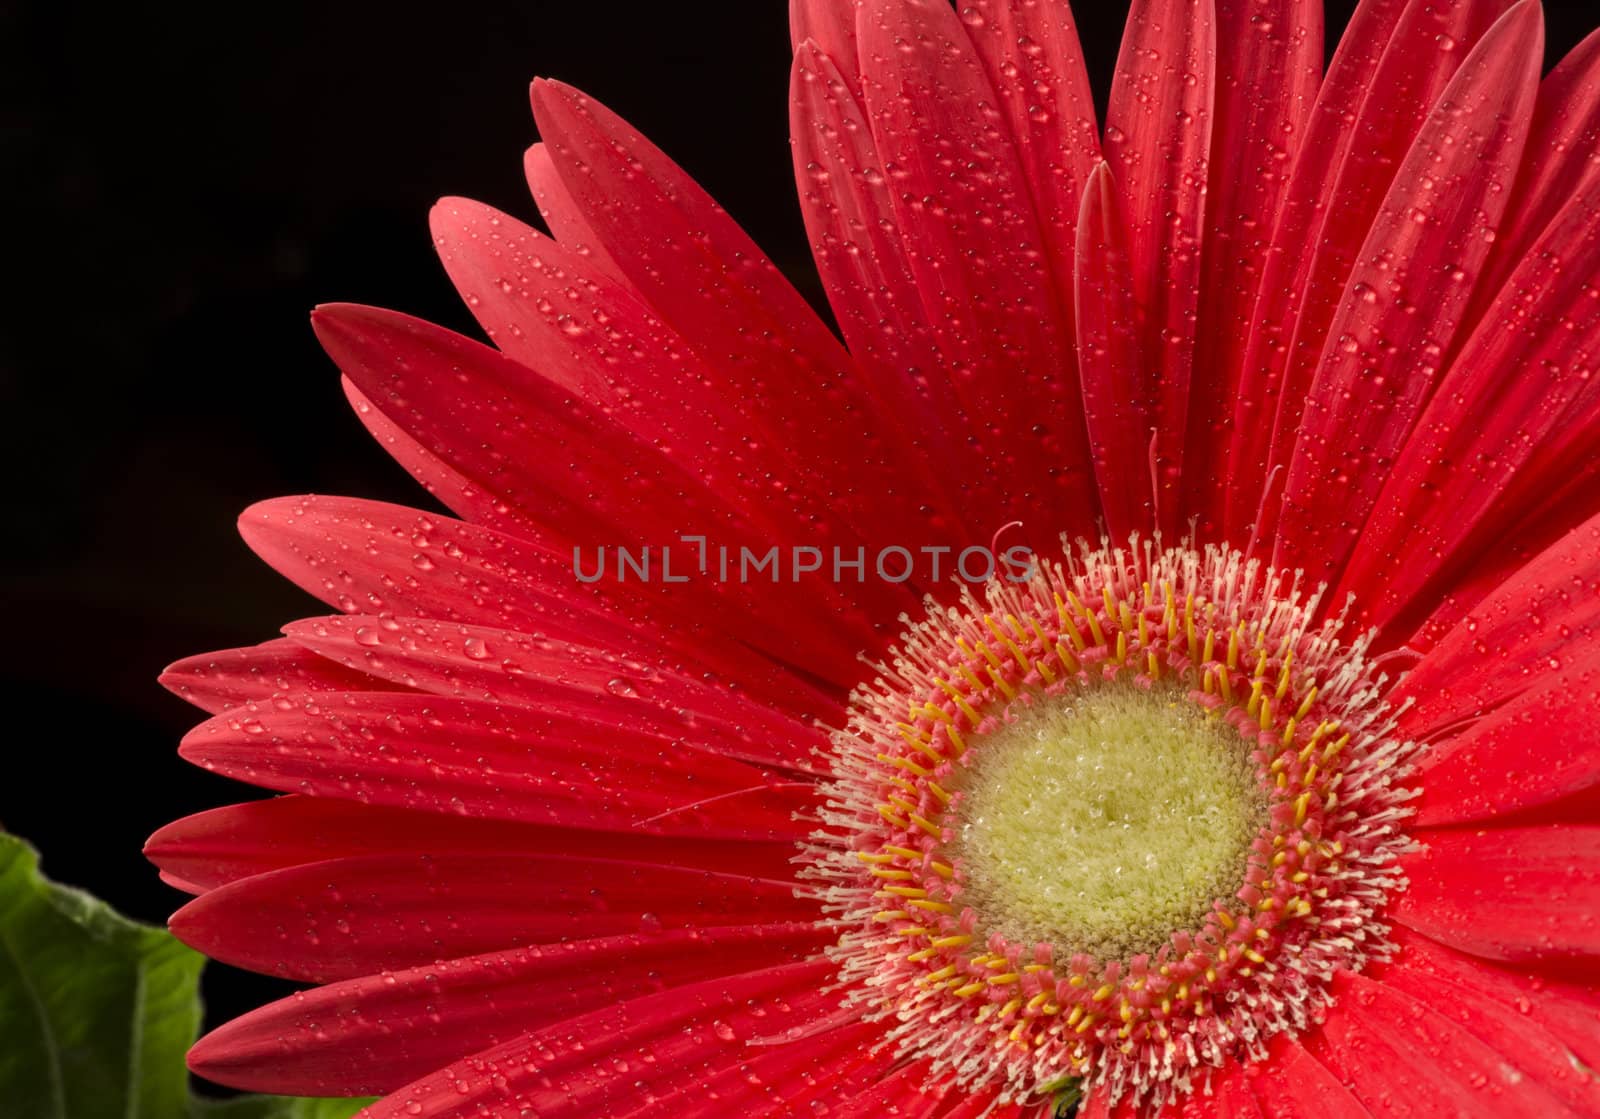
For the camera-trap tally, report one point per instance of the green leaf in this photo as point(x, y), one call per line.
point(1068, 1094)
point(96, 1011)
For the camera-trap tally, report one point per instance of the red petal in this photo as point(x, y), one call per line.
point(213, 848)
point(1120, 400)
point(1097, 1105)
point(711, 284)
point(904, 1094)
point(978, 258)
point(452, 488)
point(1230, 1098)
point(370, 1035)
point(1158, 140)
point(181, 884)
point(537, 672)
point(674, 243)
point(986, 1105)
point(1401, 310)
point(1573, 488)
point(362, 915)
point(865, 269)
point(1560, 162)
point(1032, 56)
point(772, 1081)
point(1219, 1093)
point(915, 1091)
point(1292, 1084)
point(831, 25)
point(1569, 1011)
point(481, 412)
point(1269, 65)
point(616, 1060)
point(548, 309)
point(1404, 1061)
point(1520, 636)
point(1389, 70)
point(1514, 894)
point(1542, 746)
point(221, 681)
point(348, 552)
point(567, 765)
point(561, 213)
point(1518, 1037)
point(589, 484)
point(766, 1081)
point(1513, 420)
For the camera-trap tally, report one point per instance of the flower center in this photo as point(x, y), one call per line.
point(1116, 825)
point(1100, 822)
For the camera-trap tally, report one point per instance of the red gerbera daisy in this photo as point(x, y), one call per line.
point(1269, 800)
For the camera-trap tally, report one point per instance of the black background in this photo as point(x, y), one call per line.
point(186, 186)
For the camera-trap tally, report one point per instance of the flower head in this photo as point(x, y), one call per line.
point(1148, 664)
point(1120, 824)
